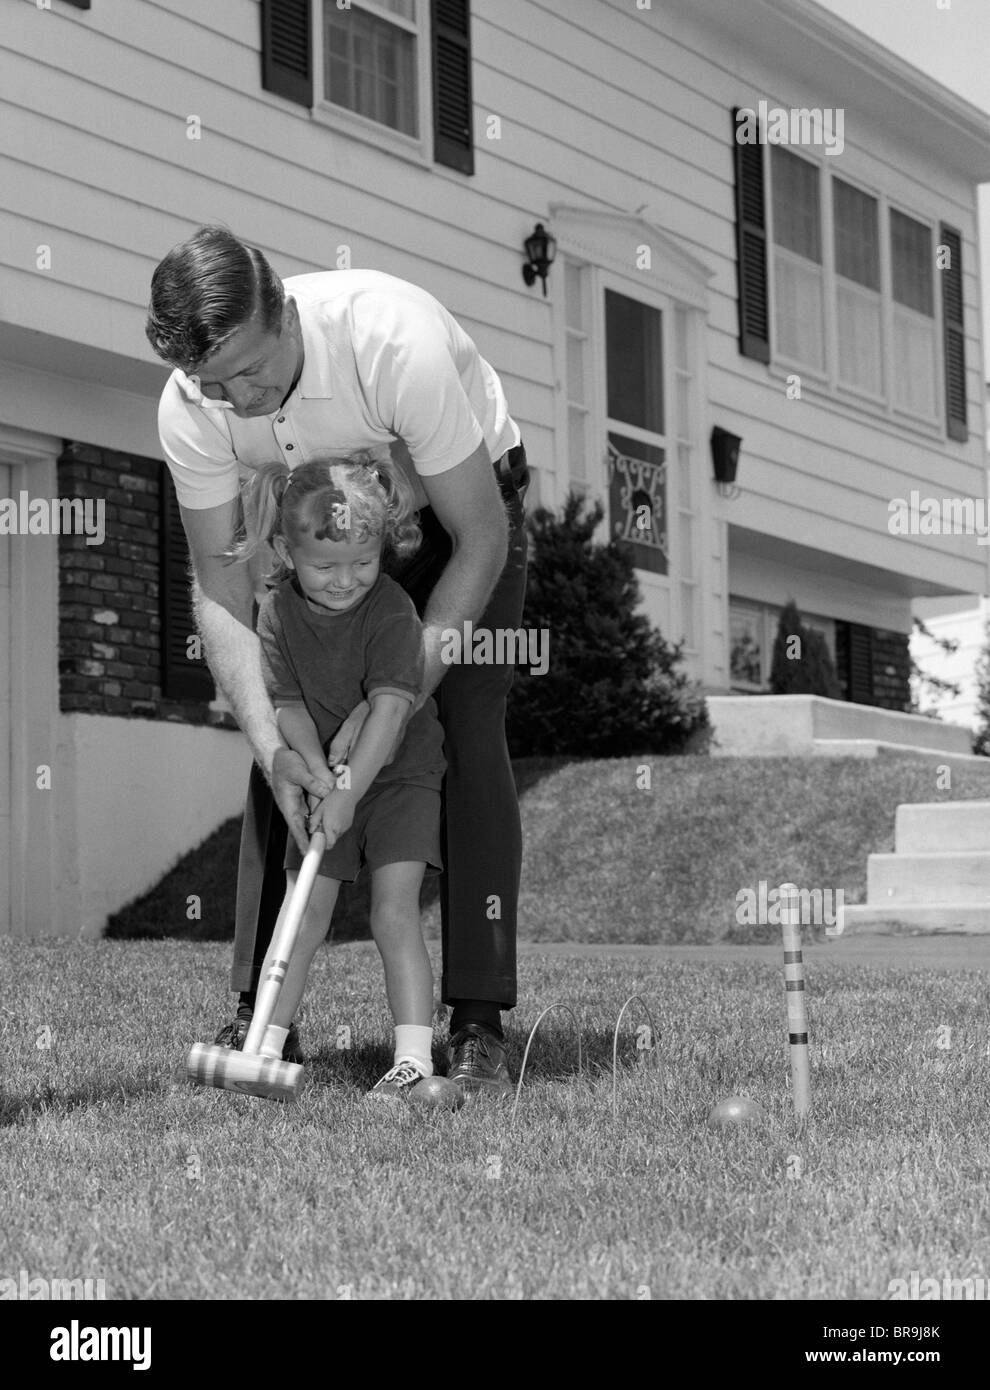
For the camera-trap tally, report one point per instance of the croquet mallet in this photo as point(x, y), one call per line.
point(249, 1070)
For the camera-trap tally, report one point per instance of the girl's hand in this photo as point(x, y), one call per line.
point(335, 813)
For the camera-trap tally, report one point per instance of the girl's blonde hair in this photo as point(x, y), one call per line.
point(356, 498)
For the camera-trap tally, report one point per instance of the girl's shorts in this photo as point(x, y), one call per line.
point(398, 823)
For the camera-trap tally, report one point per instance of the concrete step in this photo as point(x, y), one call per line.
point(931, 919)
point(928, 827)
point(897, 880)
point(877, 748)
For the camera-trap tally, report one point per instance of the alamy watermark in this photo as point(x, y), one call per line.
point(778, 125)
point(920, 1289)
point(763, 906)
point(26, 1288)
point(500, 646)
point(939, 516)
point(54, 516)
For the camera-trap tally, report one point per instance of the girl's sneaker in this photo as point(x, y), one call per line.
point(397, 1082)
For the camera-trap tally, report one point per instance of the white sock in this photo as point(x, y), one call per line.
point(413, 1043)
point(273, 1042)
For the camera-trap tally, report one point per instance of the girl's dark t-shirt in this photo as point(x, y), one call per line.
point(330, 662)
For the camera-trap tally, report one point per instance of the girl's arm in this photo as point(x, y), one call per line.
point(375, 741)
point(370, 753)
point(296, 726)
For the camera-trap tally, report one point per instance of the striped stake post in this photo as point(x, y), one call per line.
point(797, 1014)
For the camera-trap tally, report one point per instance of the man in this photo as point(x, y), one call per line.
point(334, 362)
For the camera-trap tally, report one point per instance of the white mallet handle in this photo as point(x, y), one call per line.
point(284, 943)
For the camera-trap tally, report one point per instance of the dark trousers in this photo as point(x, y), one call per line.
point(480, 830)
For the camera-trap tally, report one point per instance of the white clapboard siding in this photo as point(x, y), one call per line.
point(602, 105)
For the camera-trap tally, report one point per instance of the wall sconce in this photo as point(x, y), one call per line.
point(541, 248)
point(725, 454)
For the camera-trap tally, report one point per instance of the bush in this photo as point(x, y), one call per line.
point(613, 686)
point(804, 667)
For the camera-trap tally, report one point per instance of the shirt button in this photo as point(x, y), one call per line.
point(280, 420)
point(290, 446)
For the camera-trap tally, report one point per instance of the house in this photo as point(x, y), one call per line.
point(765, 233)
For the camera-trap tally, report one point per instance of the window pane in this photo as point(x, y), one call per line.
point(914, 364)
point(911, 263)
point(634, 362)
point(799, 320)
point(858, 322)
point(575, 369)
point(857, 235)
point(637, 501)
point(370, 68)
point(796, 212)
point(681, 339)
point(685, 477)
point(577, 443)
point(746, 644)
point(687, 616)
point(573, 297)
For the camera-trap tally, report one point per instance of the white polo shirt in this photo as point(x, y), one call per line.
point(384, 362)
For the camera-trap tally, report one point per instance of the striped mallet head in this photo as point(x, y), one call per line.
point(797, 1014)
point(248, 1072)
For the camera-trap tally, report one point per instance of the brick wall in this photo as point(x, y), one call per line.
point(109, 607)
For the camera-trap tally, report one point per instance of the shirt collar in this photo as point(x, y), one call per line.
point(319, 364)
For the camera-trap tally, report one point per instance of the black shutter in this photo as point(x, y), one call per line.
point(954, 338)
point(751, 249)
point(286, 50)
point(860, 664)
point(182, 678)
point(453, 141)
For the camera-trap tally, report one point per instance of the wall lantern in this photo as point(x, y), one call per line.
point(541, 248)
point(725, 454)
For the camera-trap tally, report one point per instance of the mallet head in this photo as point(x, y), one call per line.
point(248, 1072)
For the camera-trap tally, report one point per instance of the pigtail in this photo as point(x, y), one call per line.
point(402, 531)
point(260, 510)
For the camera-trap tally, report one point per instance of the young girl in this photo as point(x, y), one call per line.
point(336, 631)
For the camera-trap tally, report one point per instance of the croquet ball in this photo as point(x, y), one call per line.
point(437, 1093)
point(737, 1110)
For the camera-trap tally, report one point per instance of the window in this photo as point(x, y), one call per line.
point(752, 633)
point(913, 325)
point(637, 494)
point(370, 61)
point(375, 67)
point(859, 322)
point(848, 284)
point(798, 278)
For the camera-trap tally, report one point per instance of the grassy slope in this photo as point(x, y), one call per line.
point(605, 861)
point(111, 1167)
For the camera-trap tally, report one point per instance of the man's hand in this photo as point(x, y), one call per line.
point(291, 780)
point(335, 814)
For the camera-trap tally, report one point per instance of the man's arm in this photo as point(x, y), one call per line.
point(468, 504)
point(223, 596)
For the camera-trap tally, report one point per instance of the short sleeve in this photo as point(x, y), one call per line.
point(196, 443)
point(280, 678)
point(394, 659)
point(406, 358)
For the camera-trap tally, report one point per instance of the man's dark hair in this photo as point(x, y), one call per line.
point(204, 291)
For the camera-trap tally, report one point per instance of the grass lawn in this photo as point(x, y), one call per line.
point(112, 1167)
point(607, 861)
